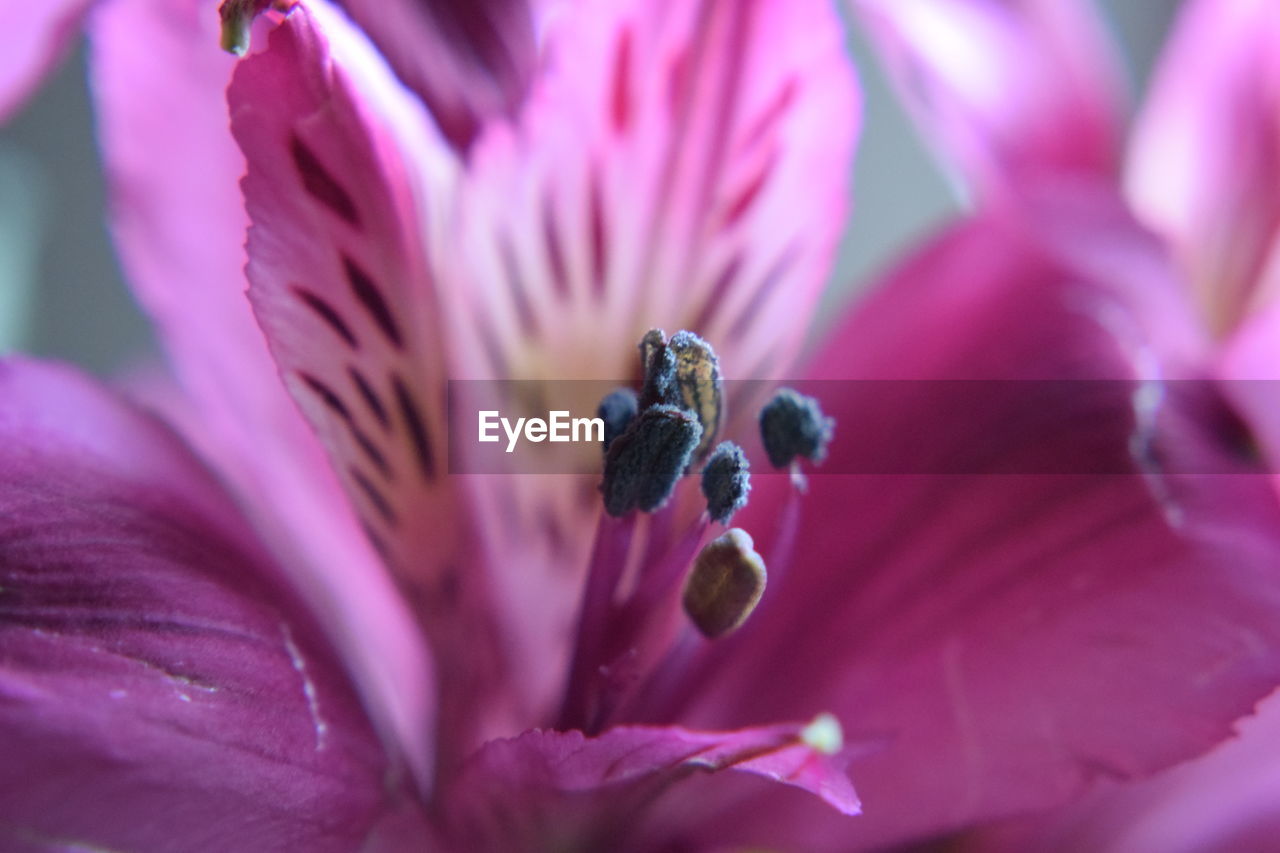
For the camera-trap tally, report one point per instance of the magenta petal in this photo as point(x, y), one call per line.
point(470, 60)
point(35, 35)
point(1205, 157)
point(1013, 637)
point(521, 792)
point(1223, 801)
point(1006, 89)
point(179, 221)
point(159, 686)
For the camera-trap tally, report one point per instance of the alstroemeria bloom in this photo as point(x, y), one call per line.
point(989, 639)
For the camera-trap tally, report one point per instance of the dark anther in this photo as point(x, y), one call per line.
point(726, 584)
point(726, 481)
point(645, 462)
point(793, 425)
point(659, 363)
point(617, 410)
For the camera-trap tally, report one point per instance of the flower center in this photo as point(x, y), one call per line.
point(631, 639)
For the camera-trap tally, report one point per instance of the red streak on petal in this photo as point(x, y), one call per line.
point(621, 105)
point(744, 199)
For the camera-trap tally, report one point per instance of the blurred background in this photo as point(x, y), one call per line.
point(61, 294)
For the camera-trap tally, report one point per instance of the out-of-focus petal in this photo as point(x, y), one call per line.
point(35, 35)
point(1104, 603)
point(159, 686)
point(179, 221)
point(1204, 164)
point(347, 182)
point(522, 792)
point(1006, 89)
point(1223, 801)
point(1250, 369)
point(469, 60)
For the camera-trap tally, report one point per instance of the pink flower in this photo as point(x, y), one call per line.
point(985, 601)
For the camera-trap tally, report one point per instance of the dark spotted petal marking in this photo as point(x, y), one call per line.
point(371, 298)
point(417, 428)
point(322, 185)
point(370, 397)
point(328, 314)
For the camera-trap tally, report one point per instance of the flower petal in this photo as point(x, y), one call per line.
point(159, 683)
point(1018, 633)
point(469, 60)
point(1223, 801)
point(1005, 89)
point(179, 222)
point(563, 785)
point(36, 34)
point(349, 188)
point(1205, 156)
point(678, 165)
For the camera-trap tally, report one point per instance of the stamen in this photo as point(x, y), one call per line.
point(726, 584)
point(659, 365)
point(793, 425)
point(824, 734)
point(726, 481)
point(645, 462)
point(617, 410)
point(698, 378)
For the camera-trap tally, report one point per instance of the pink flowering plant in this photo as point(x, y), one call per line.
point(274, 610)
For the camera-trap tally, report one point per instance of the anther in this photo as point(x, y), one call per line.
point(698, 380)
point(824, 734)
point(726, 481)
point(726, 584)
point(659, 363)
point(645, 462)
point(793, 425)
point(617, 410)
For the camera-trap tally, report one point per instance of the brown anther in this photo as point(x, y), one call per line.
point(726, 584)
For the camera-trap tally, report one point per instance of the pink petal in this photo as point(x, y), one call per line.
point(159, 685)
point(1223, 801)
point(1004, 89)
point(523, 792)
point(1205, 158)
point(677, 165)
point(1014, 637)
point(35, 37)
point(177, 216)
point(347, 184)
point(469, 60)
